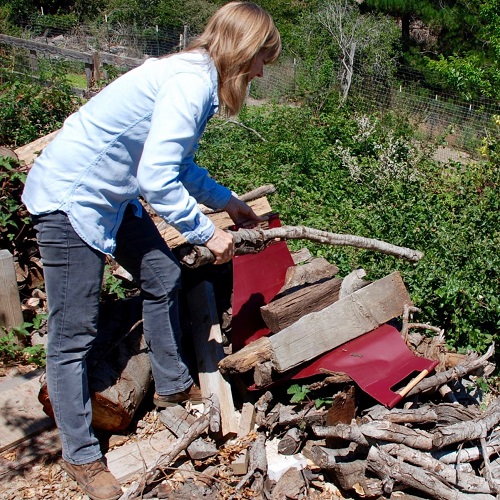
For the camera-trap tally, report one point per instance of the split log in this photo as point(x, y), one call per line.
point(239, 465)
point(387, 467)
point(283, 311)
point(10, 304)
point(119, 373)
point(322, 331)
point(207, 340)
point(315, 271)
point(28, 153)
point(256, 240)
point(252, 195)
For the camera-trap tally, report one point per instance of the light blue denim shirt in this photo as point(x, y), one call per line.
point(137, 137)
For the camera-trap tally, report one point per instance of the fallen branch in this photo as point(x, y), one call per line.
point(387, 467)
point(247, 241)
point(471, 364)
point(183, 441)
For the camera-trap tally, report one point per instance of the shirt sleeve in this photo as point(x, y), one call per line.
point(168, 177)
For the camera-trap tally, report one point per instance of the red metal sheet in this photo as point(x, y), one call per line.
point(257, 278)
point(377, 361)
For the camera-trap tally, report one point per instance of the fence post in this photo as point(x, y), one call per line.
point(11, 313)
point(33, 61)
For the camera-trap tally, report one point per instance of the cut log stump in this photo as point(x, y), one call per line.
point(119, 375)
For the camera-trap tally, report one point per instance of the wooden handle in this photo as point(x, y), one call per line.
point(412, 383)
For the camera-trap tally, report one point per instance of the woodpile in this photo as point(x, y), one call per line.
point(439, 441)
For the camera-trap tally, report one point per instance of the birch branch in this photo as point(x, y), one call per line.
point(255, 240)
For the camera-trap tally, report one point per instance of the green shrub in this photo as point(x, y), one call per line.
point(450, 212)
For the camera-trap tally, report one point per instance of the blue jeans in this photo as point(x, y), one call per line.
point(73, 273)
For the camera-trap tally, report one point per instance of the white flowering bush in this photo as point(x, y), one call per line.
point(379, 157)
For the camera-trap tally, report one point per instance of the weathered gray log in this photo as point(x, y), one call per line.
point(292, 440)
point(178, 421)
point(257, 462)
point(351, 433)
point(443, 413)
point(309, 416)
point(394, 433)
point(471, 364)
point(151, 475)
point(468, 431)
point(385, 467)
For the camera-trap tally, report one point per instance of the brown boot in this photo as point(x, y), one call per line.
point(95, 480)
point(193, 394)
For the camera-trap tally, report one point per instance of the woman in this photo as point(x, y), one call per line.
point(136, 138)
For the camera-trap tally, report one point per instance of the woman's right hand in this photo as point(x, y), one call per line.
point(221, 245)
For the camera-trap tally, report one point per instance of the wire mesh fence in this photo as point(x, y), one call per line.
point(456, 124)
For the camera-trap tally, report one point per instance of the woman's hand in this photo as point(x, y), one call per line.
point(221, 245)
point(241, 213)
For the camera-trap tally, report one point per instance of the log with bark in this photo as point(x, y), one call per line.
point(118, 366)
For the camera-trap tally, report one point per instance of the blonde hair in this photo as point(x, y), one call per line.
point(233, 37)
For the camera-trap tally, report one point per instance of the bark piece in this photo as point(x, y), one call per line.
point(342, 411)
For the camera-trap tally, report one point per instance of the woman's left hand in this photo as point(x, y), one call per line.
point(241, 213)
